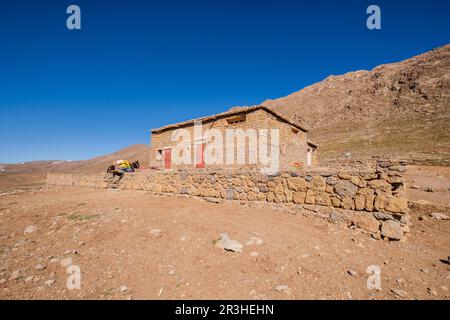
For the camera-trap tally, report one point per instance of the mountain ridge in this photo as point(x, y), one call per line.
point(397, 109)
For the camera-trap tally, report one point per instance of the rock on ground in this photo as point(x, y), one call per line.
point(155, 233)
point(400, 293)
point(439, 216)
point(225, 243)
point(49, 282)
point(391, 230)
point(29, 230)
point(281, 288)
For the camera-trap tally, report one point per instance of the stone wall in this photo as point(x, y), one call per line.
point(360, 164)
point(379, 195)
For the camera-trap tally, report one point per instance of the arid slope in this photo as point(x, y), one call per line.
point(397, 109)
point(30, 175)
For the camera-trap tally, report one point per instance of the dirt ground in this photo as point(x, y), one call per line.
point(428, 183)
point(135, 245)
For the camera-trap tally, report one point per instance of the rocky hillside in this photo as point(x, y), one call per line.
point(134, 152)
point(94, 165)
point(30, 175)
point(400, 109)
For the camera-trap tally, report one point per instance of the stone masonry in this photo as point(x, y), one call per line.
point(294, 144)
point(373, 200)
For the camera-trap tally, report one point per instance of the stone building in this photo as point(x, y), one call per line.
point(294, 149)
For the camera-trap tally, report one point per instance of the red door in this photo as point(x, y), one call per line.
point(167, 158)
point(200, 163)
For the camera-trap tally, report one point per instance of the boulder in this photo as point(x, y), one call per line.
point(364, 221)
point(391, 230)
point(345, 188)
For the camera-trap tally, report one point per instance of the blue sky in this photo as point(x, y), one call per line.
point(136, 65)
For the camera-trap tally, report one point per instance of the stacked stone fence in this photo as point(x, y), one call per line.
point(360, 164)
point(379, 194)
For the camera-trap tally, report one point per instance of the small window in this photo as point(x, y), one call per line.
point(295, 131)
point(159, 154)
point(236, 120)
